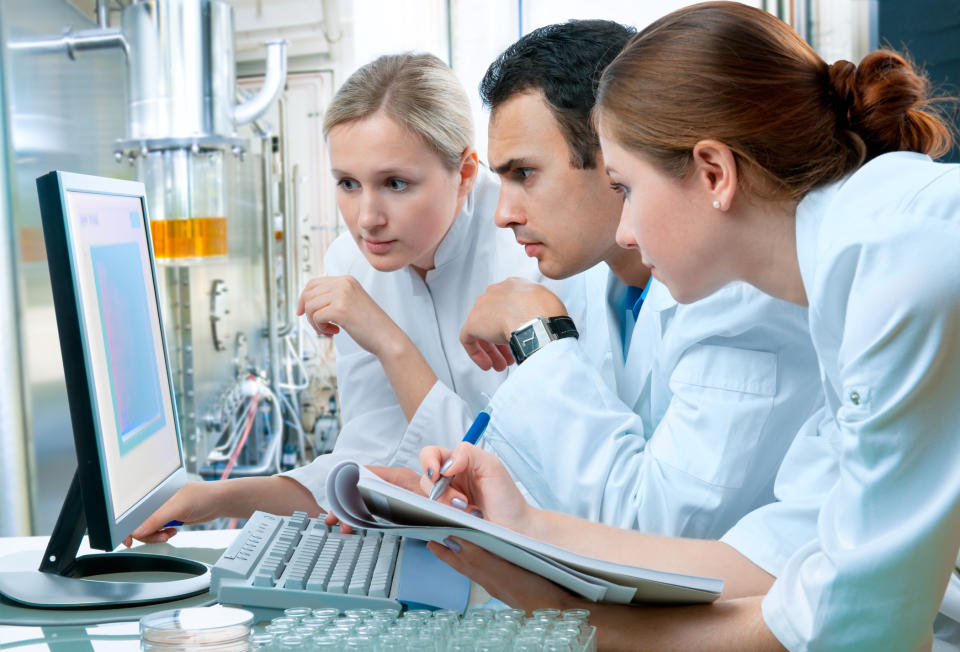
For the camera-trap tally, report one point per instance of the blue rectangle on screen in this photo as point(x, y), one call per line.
point(129, 339)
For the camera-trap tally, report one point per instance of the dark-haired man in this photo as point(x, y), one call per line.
point(667, 418)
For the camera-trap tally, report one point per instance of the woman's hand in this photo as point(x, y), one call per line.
point(334, 302)
point(482, 484)
point(195, 502)
point(511, 584)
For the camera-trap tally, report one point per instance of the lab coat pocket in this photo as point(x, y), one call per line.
point(713, 428)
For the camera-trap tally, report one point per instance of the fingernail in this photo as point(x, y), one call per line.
point(446, 465)
point(459, 503)
point(430, 473)
point(450, 543)
point(477, 513)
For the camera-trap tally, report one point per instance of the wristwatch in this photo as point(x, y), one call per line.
point(537, 333)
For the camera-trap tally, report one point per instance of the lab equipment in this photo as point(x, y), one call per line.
point(277, 562)
point(479, 629)
point(471, 437)
point(166, 102)
point(120, 390)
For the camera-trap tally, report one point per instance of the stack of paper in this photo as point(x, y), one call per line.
point(362, 500)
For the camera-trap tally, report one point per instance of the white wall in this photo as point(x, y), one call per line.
point(479, 31)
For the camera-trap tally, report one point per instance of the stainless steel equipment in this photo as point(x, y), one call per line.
point(165, 110)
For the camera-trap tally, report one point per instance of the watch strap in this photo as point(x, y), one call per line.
point(562, 327)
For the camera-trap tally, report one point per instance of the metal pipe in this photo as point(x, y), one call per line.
point(295, 202)
point(16, 490)
point(103, 14)
point(270, 276)
point(289, 242)
point(273, 82)
point(331, 21)
point(71, 42)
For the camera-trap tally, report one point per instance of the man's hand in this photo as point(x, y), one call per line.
point(499, 311)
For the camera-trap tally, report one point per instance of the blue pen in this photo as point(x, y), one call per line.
point(472, 437)
point(174, 524)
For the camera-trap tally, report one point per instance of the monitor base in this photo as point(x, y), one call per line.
point(66, 581)
point(81, 590)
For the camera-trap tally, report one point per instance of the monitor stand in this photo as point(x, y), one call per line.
point(62, 580)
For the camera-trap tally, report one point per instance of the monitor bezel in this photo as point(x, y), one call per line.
point(105, 529)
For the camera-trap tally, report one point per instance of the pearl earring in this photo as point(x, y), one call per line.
point(716, 204)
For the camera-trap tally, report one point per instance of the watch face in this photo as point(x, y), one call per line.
point(526, 339)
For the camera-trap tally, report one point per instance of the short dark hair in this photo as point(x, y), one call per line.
point(564, 61)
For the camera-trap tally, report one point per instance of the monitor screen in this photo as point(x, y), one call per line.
point(124, 344)
point(119, 386)
point(122, 407)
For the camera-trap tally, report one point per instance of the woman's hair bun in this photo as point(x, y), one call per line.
point(885, 102)
point(843, 79)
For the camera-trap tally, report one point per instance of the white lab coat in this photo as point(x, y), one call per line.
point(473, 255)
point(880, 259)
point(683, 437)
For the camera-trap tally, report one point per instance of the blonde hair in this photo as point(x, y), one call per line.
point(419, 92)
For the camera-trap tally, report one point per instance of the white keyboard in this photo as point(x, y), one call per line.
point(296, 561)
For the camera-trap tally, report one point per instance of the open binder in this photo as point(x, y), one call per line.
point(360, 499)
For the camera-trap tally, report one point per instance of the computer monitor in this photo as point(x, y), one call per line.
point(120, 392)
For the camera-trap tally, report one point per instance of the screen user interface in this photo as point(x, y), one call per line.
point(138, 436)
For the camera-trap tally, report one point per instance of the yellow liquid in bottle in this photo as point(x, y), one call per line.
point(193, 237)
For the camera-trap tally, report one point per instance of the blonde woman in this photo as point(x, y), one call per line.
point(421, 246)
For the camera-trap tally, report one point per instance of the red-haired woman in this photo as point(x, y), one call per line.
point(742, 155)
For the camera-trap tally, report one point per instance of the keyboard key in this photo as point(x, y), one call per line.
point(360, 582)
point(264, 579)
point(296, 582)
point(324, 566)
point(386, 563)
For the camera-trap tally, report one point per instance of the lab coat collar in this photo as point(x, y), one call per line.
point(810, 213)
point(658, 298)
point(466, 225)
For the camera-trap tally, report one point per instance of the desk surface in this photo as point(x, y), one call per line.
point(25, 552)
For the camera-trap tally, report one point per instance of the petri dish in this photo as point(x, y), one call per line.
point(196, 626)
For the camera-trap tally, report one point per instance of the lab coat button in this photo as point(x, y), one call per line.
point(855, 397)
